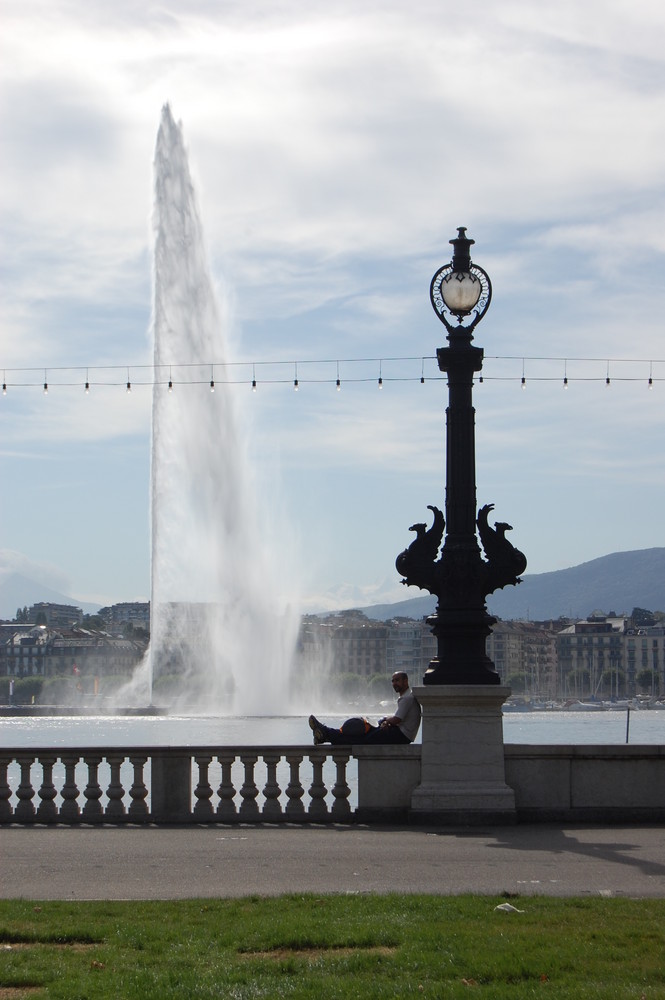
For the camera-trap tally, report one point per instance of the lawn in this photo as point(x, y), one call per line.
point(334, 948)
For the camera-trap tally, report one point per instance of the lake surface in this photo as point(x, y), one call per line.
point(645, 727)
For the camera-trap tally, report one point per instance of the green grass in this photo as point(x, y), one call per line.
point(334, 948)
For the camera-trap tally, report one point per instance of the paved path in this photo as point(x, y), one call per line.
point(185, 862)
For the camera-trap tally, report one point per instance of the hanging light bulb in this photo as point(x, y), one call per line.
point(481, 379)
point(650, 383)
point(253, 378)
point(87, 383)
point(380, 375)
point(4, 384)
point(45, 385)
point(296, 384)
point(170, 381)
point(565, 375)
point(129, 384)
point(607, 377)
point(338, 383)
point(212, 379)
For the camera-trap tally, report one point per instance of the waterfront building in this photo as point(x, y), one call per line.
point(347, 642)
point(410, 647)
point(85, 657)
point(136, 613)
point(605, 655)
point(524, 654)
point(351, 643)
point(55, 615)
point(645, 658)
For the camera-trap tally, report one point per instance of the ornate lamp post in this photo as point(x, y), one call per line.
point(459, 576)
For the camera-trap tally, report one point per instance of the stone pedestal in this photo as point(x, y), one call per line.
point(463, 772)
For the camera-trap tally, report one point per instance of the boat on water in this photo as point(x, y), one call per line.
point(585, 706)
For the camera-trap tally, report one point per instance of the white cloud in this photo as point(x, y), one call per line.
point(335, 150)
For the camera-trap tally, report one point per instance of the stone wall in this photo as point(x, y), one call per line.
point(597, 784)
point(585, 784)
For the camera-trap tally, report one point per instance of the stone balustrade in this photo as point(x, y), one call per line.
point(177, 785)
point(305, 784)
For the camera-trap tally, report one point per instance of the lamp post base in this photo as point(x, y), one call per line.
point(456, 673)
point(462, 772)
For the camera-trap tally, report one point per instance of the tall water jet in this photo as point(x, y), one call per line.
point(222, 636)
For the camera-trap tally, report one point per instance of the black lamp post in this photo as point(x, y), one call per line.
point(459, 576)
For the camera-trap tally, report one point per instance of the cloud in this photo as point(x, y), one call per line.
point(335, 150)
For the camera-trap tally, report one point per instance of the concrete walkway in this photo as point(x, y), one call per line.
point(186, 862)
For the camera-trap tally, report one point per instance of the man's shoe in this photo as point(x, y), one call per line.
point(315, 726)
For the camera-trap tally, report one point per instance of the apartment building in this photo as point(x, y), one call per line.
point(605, 655)
point(40, 651)
point(55, 615)
point(525, 650)
point(136, 613)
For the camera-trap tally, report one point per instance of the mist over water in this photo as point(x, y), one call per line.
point(222, 634)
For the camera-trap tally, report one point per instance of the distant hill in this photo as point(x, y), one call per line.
point(618, 582)
point(18, 591)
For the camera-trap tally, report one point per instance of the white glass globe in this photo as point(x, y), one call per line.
point(460, 291)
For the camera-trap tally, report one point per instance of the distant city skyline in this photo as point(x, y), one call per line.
point(335, 153)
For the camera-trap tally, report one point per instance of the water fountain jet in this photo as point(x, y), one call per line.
point(222, 636)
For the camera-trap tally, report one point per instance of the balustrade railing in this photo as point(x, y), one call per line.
point(178, 785)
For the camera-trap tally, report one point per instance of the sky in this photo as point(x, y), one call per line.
point(335, 149)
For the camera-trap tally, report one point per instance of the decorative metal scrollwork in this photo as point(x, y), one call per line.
point(454, 321)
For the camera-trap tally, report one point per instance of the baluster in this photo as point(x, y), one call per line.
point(25, 811)
point(92, 810)
point(341, 810)
point(295, 809)
point(249, 810)
point(226, 808)
point(203, 810)
point(138, 810)
point(6, 811)
point(317, 792)
point(272, 809)
point(47, 812)
point(69, 810)
point(115, 808)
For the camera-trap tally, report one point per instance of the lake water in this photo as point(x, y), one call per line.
point(645, 727)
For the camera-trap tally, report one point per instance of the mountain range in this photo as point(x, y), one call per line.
point(618, 582)
point(18, 591)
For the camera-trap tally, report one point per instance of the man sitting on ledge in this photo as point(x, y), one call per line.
point(402, 727)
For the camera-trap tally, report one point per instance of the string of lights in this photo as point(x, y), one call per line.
point(326, 371)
